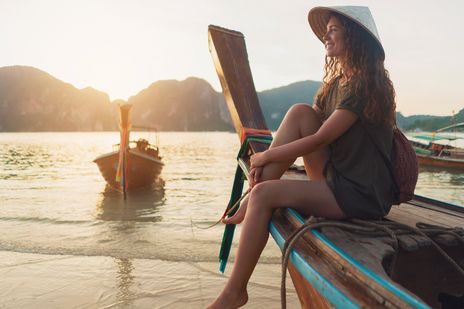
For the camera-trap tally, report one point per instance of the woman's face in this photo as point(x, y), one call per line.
point(334, 39)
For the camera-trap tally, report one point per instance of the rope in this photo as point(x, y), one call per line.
point(226, 213)
point(369, 227)
point(430, 229)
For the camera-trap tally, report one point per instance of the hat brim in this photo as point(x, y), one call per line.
point(319, 16)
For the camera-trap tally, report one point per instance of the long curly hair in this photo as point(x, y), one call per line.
point(364, 73)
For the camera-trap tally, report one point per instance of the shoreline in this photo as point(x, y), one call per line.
point(64, 281)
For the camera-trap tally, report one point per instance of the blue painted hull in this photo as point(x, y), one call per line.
point(313, 271)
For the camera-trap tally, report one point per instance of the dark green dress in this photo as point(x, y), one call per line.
point(356, 171)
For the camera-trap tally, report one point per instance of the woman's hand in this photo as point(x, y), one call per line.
point(259, 159)
point(255, 175)
point(257, 162)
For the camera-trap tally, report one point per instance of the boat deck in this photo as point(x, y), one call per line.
point(356, 270)
point(416, 211)
point(413, 212)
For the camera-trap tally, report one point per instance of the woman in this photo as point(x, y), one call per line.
point(340, 139)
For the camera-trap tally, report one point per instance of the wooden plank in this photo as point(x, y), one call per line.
point(440, 206)
point(347, 279)
point(369, 251)
point(230, 58)
point(411, 215)
point(309, 297)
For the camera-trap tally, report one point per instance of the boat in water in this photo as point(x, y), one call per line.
point(419, 265)
point(132, 164)
point(443, 148)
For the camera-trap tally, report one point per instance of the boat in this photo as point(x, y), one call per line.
point(441, 148)
point(336, 267)
point(132, 164)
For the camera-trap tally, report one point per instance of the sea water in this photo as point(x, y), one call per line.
point(68, 241)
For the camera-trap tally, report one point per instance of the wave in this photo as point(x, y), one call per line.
point(154, 254)
point(49, 220)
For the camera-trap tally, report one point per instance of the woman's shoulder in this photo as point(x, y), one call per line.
point(355, 90)
point(354, 85)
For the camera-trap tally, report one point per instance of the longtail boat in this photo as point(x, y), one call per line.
point(132, 164)
point(441, 148)
point(334, 267)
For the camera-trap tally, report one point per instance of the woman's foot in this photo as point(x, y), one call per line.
point(229, 300)
point(239, 215)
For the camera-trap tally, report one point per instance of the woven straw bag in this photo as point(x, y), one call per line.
point(402, 165)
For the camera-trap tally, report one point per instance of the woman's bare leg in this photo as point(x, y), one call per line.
point(300, 121)
point(308, 197)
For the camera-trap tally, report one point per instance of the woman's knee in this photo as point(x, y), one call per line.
point(306, 115)
point(298, 109)
point(259, 193)
point(262, 195)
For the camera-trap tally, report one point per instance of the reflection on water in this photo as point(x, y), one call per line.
point(442, 184)
point(457, 174)
point(140, 205)
point(125, 280)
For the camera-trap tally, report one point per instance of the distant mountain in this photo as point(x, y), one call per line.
point(275, 102)
point(193, 105)
point(406, 122)
point(432, 123)
point(188, 105)
point(33, 100)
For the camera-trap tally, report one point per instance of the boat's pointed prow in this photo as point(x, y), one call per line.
point(230, 58)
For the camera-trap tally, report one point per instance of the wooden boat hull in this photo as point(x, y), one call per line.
point(439, 161)
point(143, 170)
point(331, 267)
point(326, 274)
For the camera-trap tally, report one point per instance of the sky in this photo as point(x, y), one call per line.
point(123, 46)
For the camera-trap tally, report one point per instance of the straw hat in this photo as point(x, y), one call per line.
point(318, 18)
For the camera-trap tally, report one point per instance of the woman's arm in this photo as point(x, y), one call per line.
point(337, 124)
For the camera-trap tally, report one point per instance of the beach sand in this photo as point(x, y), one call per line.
point(64, 281)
